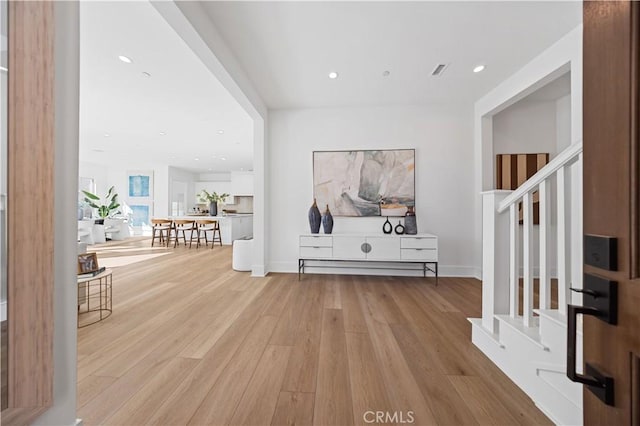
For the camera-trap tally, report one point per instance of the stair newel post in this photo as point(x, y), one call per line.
point(495, 259)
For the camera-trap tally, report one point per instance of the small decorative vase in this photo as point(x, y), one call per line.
point(399, 228)
point(327, 221)
point(410, 225)
point(314, 218)
point(213, 209)
point(387, 227)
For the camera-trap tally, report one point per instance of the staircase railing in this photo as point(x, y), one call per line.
point(503, 264)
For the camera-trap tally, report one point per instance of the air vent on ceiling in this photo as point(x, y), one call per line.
point(438, 70)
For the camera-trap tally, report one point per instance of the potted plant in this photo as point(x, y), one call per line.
point(105, 208)
point(213, 198)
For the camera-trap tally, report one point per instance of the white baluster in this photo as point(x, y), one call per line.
point(545, 274)
point(563, 242)
point(527, 259)
point(514, 267)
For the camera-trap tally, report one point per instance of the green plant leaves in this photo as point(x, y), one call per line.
point(107, 207)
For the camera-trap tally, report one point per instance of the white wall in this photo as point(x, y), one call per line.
point(563, 123)
point(526, 127)
point(442, 138)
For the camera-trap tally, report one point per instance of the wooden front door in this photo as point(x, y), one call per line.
point(611, 200)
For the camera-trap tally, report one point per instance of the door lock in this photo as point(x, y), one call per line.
point(600, 298)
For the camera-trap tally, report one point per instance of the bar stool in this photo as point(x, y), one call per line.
point(161, 228)
point(212, 226)
point(183, 226)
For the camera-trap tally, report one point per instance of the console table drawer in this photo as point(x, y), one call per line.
point(425, 255)
point(418, 243)
point(319, 241)
point(315, 252)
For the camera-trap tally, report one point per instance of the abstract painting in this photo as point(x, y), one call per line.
point(365, 183)
point(140, 215)
point(139, 186)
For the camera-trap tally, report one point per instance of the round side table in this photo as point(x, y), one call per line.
point(94, 298)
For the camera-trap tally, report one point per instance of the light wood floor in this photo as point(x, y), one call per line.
point(192, 342)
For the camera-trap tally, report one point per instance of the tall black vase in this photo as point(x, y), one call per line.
point(314, 218)
point(327, 221)
point(213, 209)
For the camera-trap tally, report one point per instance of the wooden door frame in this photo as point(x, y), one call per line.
point(30, 210)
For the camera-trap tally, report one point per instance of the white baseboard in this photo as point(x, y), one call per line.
point(258, 271)
point(443, 270)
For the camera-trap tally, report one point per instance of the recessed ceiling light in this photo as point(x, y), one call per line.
point(125, 59)
point(196, 159)
point(106, 135)
point(333, 75)
point(146, 74)
point(223, 159)
point(162, 133)
point(478, 68)
point(220, 132)
point(386, 73)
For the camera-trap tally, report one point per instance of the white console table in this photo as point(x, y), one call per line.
point(404, 249)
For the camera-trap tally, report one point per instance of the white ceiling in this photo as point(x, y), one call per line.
point(181, 98)
point(288, 48)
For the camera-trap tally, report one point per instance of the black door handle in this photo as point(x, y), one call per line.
point(598, 383)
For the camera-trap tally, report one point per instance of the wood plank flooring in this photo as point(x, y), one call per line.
point(191, 341)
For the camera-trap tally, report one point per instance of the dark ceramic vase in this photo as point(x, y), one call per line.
point(399, 228)
point(213, 209)
point(314, 218)
point(327, 221)
point(387, 227)
point(410, 224)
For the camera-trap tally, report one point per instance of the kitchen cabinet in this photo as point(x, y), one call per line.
point(242, 183)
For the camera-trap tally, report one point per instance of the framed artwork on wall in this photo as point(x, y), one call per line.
point(141, 215)
point(365, 182)
point(140, 184)
point(140, 197)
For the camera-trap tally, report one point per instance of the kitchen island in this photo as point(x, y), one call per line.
point(233, 227)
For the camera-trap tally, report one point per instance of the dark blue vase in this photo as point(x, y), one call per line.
point(314, 218)
point(327, 221)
